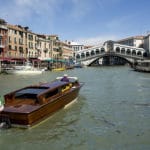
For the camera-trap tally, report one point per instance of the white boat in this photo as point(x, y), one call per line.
point(28, 68)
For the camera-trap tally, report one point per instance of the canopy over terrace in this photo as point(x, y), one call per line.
point(55, 60)
point(6, 59)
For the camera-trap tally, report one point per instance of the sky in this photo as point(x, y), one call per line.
point(84, 21)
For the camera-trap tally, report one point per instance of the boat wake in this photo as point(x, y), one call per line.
point(71, 103)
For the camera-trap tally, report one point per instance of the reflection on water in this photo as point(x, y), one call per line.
point(112, 112)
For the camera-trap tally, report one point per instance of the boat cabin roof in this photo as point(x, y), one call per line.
point(34, 90)
point(53, 84)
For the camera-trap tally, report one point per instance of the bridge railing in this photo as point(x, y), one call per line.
point(112, 53)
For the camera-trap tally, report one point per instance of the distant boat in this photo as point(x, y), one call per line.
point(30, 105)
point(59, 69)
point(78, 65)
point(142, 66)
point(26, 69)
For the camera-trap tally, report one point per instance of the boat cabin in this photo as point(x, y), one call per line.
point(39, 94)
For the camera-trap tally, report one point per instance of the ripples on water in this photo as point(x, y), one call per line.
point(112, 113)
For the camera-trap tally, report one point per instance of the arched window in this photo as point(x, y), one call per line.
point(102, 50)
point(128, 52)
point(87, 54)
point(117, 49)
point(139, 53)
point(92, 53)
point(133, 52)
point(77, 56)
point(123, 51)
point(97, 51)
point(82, 55)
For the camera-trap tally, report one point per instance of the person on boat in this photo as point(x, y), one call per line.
point(65, 78)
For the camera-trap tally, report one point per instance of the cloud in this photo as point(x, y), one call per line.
point(80, 8)
point(96, 40)
point(20, 10)
point(119, 22)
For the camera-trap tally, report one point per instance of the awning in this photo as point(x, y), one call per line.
point(50, 60)
point(35, 59)
point(62, 60)
point(56, 60)
point(6, 59)
point(18, 59)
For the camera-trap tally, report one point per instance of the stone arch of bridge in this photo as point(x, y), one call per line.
point(112, 55)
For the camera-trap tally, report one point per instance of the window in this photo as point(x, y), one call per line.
point(118, 49)
point(9, 47)
point(51, 93)
point(30, 37)
point(9, 39)
point(16, 48)
point(128, 52)
point(92, 52)
point(87, 54)
point(20, 41)
point(102, 50)
point(123, 51)
point(15, 40)
point(97, 51)
point(15, 31)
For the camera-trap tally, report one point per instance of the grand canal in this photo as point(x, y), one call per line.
point(112, 113)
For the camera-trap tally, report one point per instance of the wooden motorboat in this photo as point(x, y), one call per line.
point(30, 105)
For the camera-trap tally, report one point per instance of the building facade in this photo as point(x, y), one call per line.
point(67, 51)
point(135, 41)
point(3, 39)
point(147, 43)
point(32, 51)
point(17, 42)
point(44, 47)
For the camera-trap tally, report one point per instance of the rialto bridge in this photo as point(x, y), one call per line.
point(110, 53)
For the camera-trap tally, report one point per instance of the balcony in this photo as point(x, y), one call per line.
point(38, 47)
point(2, 45)
point(3, 27)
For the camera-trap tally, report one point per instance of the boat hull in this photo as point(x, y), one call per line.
point(24, 72)
point(142, 69)
point(42, 112)
point(58, 69)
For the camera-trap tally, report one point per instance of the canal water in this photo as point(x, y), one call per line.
point(112, 113)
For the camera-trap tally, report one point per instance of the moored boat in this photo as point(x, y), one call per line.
point(58, 69)
point(142, 66)
point(30, 105)
point(25, 69)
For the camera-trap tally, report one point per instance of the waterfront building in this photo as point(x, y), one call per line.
point(76, 47)
point(67, 51)
point(3, 39)
point(32, 51)
point(55, 47)
point(135, 41)
point(43, 47)
point(17, 42)
point(147, 43)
